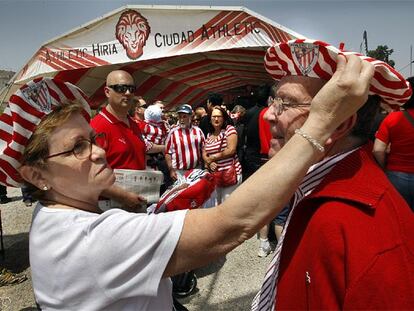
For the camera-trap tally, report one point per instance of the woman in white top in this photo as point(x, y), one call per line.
point(85, 259)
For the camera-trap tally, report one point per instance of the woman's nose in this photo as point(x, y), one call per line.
point(97, 152)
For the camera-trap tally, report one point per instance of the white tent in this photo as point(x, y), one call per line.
point(175, 53)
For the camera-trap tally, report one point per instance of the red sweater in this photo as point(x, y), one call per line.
point(350, 244)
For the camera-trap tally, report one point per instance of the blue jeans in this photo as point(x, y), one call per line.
point(404, 183)
point(281, 218)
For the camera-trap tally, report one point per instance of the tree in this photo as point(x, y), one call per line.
point(382, 52)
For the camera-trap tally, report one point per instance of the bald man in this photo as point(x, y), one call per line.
point(126, 146)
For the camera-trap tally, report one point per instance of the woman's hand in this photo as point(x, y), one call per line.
point(341, 96)
point(134, 202)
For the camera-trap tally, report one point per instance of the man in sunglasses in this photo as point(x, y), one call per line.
point(137, 111)
point(126, 146)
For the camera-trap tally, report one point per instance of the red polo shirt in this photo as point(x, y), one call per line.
point(126, 146)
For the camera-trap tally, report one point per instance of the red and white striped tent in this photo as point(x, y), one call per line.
point(175, 53)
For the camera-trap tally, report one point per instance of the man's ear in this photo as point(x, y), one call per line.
point(342, 130)
point(106, 90)
point(33, 175)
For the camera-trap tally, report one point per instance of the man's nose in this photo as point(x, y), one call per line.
point(270, 115)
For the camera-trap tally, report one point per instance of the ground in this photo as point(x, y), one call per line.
point(227, 284)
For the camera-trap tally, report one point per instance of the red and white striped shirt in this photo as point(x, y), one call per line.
point(184, 146)
point(212, 146)
point(155, 132)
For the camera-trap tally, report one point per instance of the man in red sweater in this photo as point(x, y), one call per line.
point(347, 243)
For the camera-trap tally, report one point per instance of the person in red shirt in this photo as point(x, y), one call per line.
point(126, 146)
point(137, 111)
point(394, 149)
point(347, 243)
point(155, 129)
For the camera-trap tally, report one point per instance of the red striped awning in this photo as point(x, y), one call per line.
point(176, 54)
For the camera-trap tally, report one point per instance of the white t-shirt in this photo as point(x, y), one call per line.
point(110, 261)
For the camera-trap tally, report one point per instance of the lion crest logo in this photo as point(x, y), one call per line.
point(305, 56)
point(132, 31)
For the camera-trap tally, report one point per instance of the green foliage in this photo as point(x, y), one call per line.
point(382, 52)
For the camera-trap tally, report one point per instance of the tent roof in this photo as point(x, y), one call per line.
point(189, 51)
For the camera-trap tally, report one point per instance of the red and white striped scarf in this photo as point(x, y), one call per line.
point(266, 297)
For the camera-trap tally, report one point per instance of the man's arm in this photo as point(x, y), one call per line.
point(168, 160)
point(207, 234)
point(130, 201)
point(156, 148)
point(380, 152)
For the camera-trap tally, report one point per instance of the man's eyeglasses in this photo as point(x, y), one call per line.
point(83, 147)
point(122, 88)
point(281, 105)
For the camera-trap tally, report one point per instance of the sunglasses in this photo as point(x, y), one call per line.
point(123, 88)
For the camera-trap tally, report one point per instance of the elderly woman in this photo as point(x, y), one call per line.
point(220, 150)
point(85, 259)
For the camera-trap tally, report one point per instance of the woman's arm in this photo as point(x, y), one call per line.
point(230, 150)
point(206, 158)
point(380, 152)
point(210, 233)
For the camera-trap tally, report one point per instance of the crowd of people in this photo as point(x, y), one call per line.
point(300, 161)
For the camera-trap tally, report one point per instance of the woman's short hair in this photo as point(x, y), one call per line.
point(226, 119)
point(238, 108)
point(37, 148)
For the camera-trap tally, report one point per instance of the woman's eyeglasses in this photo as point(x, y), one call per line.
point(123, 88)
point(281, 105)
point(83, 147)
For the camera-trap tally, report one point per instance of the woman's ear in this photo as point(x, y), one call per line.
point(33, 175)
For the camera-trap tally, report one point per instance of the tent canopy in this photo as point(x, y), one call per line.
point(176, 54)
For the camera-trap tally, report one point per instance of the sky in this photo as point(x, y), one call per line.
point(26, 24)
